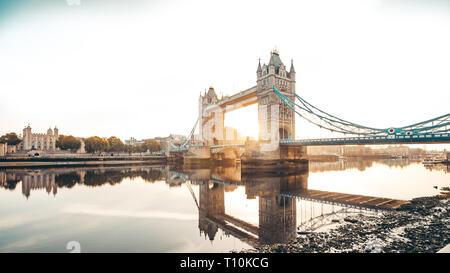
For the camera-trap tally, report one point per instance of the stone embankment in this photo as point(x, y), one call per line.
point(88, 160)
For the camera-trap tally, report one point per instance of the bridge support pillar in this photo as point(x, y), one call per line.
point(197, 156)
point(259, 159)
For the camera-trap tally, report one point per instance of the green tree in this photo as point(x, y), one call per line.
point(115, 144)
point(68, 143)
point(10, 138)
point(96, 144)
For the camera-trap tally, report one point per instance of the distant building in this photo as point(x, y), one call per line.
point(175, 139)
point(3, 149)
point(233, 134)
point(133, 142)
point(11, 149)
point(44, 142)
point(325, 150)
point(7, 149)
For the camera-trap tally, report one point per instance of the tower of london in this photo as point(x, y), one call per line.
point(45, 142)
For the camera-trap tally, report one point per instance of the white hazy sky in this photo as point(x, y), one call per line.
point(136, 68)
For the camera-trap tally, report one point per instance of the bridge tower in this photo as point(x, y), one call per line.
point(276, 120)
point(211, 124)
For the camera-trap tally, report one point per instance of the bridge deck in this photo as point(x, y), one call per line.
point(238, 100)
point(370, 202)
point(419, 139)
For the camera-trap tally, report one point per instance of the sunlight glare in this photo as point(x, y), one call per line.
point(244, 120)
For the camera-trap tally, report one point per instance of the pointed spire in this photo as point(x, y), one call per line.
point(259, 65)
point(275, 58)
point(292, 66)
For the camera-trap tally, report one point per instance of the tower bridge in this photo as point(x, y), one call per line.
point(278, 105)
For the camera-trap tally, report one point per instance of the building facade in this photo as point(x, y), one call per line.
point(6, 149)
point(11, 149)
point(45, 142)
point(3, 149)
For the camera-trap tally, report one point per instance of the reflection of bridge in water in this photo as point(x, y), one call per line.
point(279, 212)
point(277, 203)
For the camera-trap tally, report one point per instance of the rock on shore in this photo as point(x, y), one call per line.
point(421, 226)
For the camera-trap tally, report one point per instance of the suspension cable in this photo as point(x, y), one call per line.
point(335, 124)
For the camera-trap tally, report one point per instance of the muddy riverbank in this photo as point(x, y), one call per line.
point(422, 226)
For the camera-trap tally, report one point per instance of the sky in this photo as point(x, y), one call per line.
point(136, 68)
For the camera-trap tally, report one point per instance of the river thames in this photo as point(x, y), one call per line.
point(171, 209)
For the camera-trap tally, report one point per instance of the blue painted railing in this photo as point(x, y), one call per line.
point(422, 138)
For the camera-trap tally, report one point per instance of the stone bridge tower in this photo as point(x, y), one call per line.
point(211, 124)
point(276, 120)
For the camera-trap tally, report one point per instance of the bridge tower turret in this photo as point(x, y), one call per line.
point(276, 120)
point(27, 138)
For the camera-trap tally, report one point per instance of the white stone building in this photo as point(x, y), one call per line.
point(133, 142)
point(45, 142)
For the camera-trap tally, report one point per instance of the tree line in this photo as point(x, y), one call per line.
point(93, 144)
point(97, 144)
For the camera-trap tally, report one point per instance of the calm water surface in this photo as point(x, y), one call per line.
point(167, 209)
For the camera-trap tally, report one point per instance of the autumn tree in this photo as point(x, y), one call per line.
point(152, 145)
point(96, 144)
point(116, 145)
point(68, 143)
